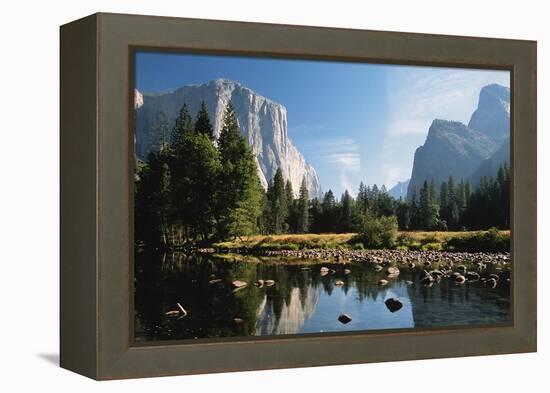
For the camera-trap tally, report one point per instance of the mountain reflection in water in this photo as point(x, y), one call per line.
point(302, 300)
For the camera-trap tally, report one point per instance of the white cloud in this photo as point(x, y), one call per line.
point(418, 95)
point(341, 153)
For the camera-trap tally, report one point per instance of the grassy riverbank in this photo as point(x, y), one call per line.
point(473, 241)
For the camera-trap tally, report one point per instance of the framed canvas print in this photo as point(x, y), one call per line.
point(240, 196)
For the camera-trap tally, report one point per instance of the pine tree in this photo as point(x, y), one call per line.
point(202, 122)
point(403, 212)
point(292, 215)
point(152, 202)
point(428, 208)
point(316, 216)
point(362, 200)
point(415, 210)
point(328, 207)
point(158, 137)
point(279, 208)
point(346, 213)
point(184, 125)
point(240, 193)
point(303, 208)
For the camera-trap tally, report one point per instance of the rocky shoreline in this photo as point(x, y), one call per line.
point(383, 257)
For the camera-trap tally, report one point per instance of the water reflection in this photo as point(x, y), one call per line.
point(301, 301)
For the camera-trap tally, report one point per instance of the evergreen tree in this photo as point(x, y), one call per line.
point(346, 213)
point(428, 208)
point(278, 200)
point(329, 212)
point(202, 122)
point(159, 134)
point(362, 200)
point(443, 201)
point(415, 210)
point(292, 213)
point(316, 216)
point(303, 208)
point(184, 125)
point(152, 202)
point(403, 212)
point(240, 193)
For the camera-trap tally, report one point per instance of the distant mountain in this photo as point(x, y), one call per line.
point(466, 152)
point(451, 148)
point(400, 189)
point(262, 122)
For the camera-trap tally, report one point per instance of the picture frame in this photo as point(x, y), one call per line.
point(96, 172)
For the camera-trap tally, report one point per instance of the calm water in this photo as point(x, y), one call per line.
point(300, 301)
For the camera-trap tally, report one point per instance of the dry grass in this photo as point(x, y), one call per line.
point(335, 240)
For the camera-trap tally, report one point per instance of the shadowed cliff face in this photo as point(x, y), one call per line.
point(492, 116)
point(466, 152)
point(262, 121)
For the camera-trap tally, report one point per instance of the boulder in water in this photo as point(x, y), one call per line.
point(393, 304)
point(344, 318)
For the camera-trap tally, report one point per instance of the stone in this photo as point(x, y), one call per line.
point(460, 279)
point(344, 318)
point(393, 305)
point(237, 284)
point(392, 271)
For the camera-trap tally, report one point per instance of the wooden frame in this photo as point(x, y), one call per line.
point(96, 194)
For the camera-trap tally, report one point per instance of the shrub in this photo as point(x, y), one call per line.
point(402, 248)
point(430, 238)
point(377, 232)
point(357, 246)
point(404, 239)
point(415, 246)
point(290, 246)
point(434, 246)
point(489, 241)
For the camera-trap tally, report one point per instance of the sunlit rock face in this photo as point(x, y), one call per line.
point(263, 123)
point(292, 316)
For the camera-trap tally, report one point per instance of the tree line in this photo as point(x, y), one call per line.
point(192, 188)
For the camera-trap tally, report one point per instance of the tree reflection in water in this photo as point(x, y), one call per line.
point(301, 301)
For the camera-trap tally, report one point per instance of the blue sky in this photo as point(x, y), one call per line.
point(352, 121)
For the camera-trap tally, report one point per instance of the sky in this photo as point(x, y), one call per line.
point(352, 122)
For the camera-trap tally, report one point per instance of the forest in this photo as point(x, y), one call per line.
point(192, 189)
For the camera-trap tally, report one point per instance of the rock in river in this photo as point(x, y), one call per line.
point(338, 283)
point(383, 282)
point(269, 283)
point(238, 284)
point(460, 279)
point(344, 318)
point(393, 271)
point(393, 304)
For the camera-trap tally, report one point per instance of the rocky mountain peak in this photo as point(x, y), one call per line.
point(138, 99)
point(492, 116)
point(452, 148)
point(263, 123)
